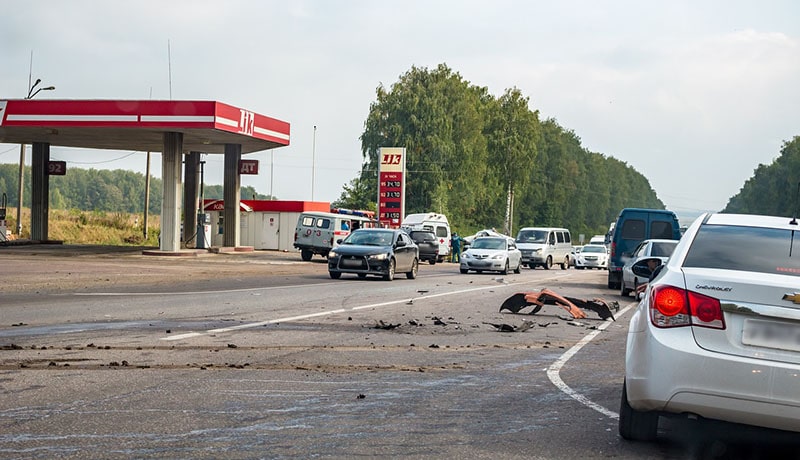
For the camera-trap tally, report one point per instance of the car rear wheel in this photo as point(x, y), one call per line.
point(623, 291)
point(613, 282)
point(306, 255)
point(413, 273)
point(636, 425)
point(335, 275)
point(432, 261)
point(389, 271)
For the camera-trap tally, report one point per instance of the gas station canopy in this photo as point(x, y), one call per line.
point(207, 126)
point(173, 128)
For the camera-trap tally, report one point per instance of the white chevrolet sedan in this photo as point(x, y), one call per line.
point(592, 256)
point(492, 253)
point(717, 334)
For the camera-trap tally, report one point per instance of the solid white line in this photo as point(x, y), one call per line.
point(194, 293)
point(108, 118)
point(342, 310)
point(177, 118)
point(555, 368)
point(269, 132)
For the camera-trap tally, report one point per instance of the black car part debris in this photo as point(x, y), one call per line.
point(572, 305)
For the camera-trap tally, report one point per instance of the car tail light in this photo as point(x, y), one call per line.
point(675, 307)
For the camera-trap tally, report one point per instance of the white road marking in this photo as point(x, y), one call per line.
point(192, 293)
point(555, 368)
point(190, 335)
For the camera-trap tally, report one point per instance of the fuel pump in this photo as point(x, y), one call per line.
point(203, 238)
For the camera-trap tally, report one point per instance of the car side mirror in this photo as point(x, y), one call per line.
point(642, 267)
point(339, 241)
point(400, 244)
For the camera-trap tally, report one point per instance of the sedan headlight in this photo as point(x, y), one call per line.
point(382, 256)
point(466, 255)
point(498, 256)
point(537, 251)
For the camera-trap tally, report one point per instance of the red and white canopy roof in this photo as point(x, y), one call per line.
point(138, 125)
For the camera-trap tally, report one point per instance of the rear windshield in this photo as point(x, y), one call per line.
point(763, 250)
point(662, 248)
point(423, 237)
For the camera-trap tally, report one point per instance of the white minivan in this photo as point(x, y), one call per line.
point(545, 246)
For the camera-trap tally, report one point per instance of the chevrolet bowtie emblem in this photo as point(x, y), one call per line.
point(793, 297)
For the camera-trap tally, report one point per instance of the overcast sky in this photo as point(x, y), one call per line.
point(693, 94)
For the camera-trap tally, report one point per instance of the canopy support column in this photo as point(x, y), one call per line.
point(171, 194)
point(191, 198)
point(232, 195)
point(40, 191)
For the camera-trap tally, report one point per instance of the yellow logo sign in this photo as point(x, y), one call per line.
point(793, 297)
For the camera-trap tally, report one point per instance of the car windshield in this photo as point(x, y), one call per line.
point(752, 249)
point(489, 243)
point(594, 249)
point(532, 236)
point(369, 238)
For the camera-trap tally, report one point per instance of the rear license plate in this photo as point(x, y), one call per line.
point(769, 334)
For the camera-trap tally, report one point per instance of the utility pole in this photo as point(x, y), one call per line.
point(21, 180)
point(313, 160)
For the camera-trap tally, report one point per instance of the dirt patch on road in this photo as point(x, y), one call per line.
point(48, 268)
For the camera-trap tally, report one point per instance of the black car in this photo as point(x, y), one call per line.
point(375, 251)
point(428, 245)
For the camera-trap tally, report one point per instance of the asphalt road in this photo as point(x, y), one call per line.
point(105, 353)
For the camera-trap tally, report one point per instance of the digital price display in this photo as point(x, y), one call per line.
point(391, 186)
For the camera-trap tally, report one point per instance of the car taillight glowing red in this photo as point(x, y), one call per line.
point(669, 301)
point(706, 311)
point(675, 307)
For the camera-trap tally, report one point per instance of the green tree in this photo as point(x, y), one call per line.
point(513, 132)
point(773, 189)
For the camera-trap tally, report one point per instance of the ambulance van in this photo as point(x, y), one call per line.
point(319, 232)
point(432, 222)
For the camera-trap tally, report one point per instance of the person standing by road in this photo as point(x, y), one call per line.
point(455, 248)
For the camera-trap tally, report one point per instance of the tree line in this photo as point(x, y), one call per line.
point(773, 189)
point(479, 158)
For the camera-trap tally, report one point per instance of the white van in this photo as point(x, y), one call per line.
point(319, 232)
point(545, 246)
point(432, 222)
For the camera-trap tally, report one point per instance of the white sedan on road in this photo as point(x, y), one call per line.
point(592, 256)
point(492, 253)
point(716, 334)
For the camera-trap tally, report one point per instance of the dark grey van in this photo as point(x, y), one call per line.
point(633, 226)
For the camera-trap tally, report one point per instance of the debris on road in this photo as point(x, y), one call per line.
point(386, 326)
point(572, 305)
point(509, 328)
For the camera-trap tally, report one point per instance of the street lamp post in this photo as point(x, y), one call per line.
point(31, 94)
